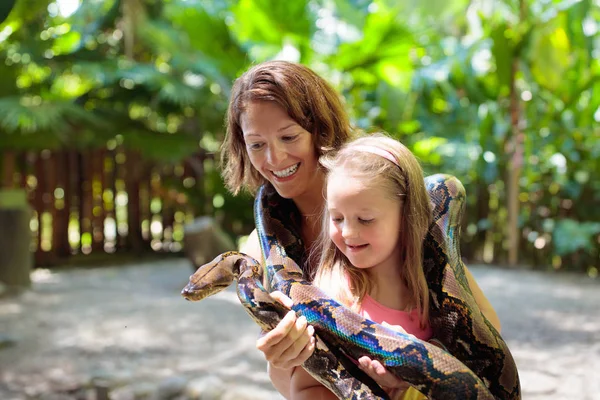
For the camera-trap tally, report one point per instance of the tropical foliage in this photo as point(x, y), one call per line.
point(503, 94)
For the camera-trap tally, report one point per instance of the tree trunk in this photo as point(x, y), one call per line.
point(515, 163)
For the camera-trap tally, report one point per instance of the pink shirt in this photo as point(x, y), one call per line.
point(409, 321)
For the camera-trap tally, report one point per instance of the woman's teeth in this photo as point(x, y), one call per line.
point(284, 173)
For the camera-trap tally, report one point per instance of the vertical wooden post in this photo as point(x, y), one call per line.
point(63, 205)
point(85, 199)
point(8, 169)
point(132, 185)
point(38, 205)
point(98, 215)
point(110, 178)
point(49, 185)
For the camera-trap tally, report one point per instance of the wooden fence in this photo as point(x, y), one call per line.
point(103, 200)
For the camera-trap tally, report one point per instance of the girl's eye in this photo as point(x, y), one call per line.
point(337, 220)
point(365, 221)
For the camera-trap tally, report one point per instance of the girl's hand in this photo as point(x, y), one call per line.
point(389, 382)
point(291, 342)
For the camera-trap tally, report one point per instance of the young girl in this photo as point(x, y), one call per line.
point(376, 218)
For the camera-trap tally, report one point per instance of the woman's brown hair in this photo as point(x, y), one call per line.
point(305, 96)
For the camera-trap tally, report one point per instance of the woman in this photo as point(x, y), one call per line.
point(282, 118)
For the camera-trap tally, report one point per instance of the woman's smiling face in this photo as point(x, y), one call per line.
point(280, 149)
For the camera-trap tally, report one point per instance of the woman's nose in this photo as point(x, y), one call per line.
point(275, 155)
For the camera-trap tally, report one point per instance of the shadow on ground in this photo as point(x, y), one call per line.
point(126, 330)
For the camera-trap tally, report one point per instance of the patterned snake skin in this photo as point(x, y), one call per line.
point(480, 367)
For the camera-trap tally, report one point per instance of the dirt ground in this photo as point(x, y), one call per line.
point(126, 333)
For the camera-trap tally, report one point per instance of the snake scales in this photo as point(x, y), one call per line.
point(479, 365)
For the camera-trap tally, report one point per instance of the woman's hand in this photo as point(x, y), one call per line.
point(388, 382)
point(291, 342)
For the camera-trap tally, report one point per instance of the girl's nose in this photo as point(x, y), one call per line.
point(349, 231)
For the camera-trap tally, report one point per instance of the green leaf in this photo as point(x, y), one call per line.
point(570, 236)
point(215, 51)
point(29, 114)
point(6, 7)
point(161, 146)
point(550, 54)
point(270, 21)
point(425, 149)
point(501, 49)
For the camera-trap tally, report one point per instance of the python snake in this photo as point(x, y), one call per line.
point(478, 365)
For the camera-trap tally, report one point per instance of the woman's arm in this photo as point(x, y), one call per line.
point(287, 345)
point(252, 246)
point(280, 378)
point(305, 387)
point(484, 304)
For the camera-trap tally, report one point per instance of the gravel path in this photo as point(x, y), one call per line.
point(80, 333)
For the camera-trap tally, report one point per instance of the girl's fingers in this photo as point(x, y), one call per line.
point(282, 298)
point(377, 371)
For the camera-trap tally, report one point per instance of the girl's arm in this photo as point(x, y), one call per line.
point(482, 301)
point(287, 345)
point(305, 387)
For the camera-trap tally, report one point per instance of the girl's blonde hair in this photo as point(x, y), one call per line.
point(403, 181)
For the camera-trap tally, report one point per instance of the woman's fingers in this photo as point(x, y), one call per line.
point(289, 343)
point(302, 347)
point(308, 349)
point(278, 333)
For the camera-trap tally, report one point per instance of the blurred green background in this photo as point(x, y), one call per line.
point(111, 113)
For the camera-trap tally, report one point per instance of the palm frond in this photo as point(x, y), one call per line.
point(29, 114)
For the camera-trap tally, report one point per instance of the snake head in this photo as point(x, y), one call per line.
point(211, 278)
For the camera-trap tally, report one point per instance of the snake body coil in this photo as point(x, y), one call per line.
point(479, 365)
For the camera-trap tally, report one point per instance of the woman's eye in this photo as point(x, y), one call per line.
point(255, 146)
point(290, 138)
point(337, 220)
point(365, 221)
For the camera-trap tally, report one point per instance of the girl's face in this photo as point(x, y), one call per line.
point(280, 149)
point(364, 221)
